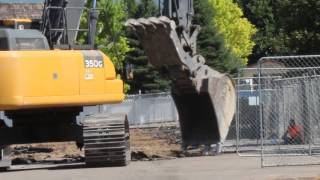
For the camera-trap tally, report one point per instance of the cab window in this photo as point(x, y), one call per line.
point(30, 44)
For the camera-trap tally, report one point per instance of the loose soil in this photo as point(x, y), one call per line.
point(146, 144)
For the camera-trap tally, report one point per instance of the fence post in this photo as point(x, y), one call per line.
point(237, 113)
point(260, 111)
point(309, 114)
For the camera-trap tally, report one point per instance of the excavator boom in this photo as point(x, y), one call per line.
point(205, 98)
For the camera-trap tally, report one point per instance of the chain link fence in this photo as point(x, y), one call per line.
point(289, 110)
point(146, 109)
point(246, 126)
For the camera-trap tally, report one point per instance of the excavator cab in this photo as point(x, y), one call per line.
point(17, 40)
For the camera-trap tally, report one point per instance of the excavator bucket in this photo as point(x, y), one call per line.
point(205, 98)
point(205, 115)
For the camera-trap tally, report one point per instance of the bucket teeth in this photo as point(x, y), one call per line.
point(151, 24)
point(168, 22)
point(136, 26)
point(158, 23)
point(159, 39)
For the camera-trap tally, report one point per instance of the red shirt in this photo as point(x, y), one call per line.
point(294, 131)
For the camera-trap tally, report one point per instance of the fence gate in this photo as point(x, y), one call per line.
point(247, 124)
point(289, 110)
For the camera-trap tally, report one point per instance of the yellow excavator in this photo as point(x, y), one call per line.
point(50, 84)
point(48, 81)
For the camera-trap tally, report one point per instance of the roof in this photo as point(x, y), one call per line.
point(21, 10)
point(21, 1)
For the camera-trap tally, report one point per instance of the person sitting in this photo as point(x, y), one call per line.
point(293, 135)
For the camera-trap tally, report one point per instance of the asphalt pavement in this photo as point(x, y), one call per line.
point(222, 167)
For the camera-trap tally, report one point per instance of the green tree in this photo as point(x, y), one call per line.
point(210, 43)
point(261, 14)
point(284, 27)
point(111, 31)
point(298, 26)
point(236, 30)
point(131, 7)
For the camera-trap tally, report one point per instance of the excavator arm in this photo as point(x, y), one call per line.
point(205, 98)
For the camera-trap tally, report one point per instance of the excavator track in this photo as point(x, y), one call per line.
point(106, 140)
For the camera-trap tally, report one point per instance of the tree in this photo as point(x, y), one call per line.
point(285, 27)
point(210, 43)
point(261, 14)
point(236, 30)
point(142, 77)
point(111, 31)
point(298, 26)
point(131, 7)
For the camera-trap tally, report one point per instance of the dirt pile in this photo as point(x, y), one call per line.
point(159, 142)
point(45, 153)
point(147, 144)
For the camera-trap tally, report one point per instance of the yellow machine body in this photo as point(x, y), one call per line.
point(16, 23)
point(57, 78)
point(10, 22)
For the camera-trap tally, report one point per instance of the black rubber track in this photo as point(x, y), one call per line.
point(106, 140)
